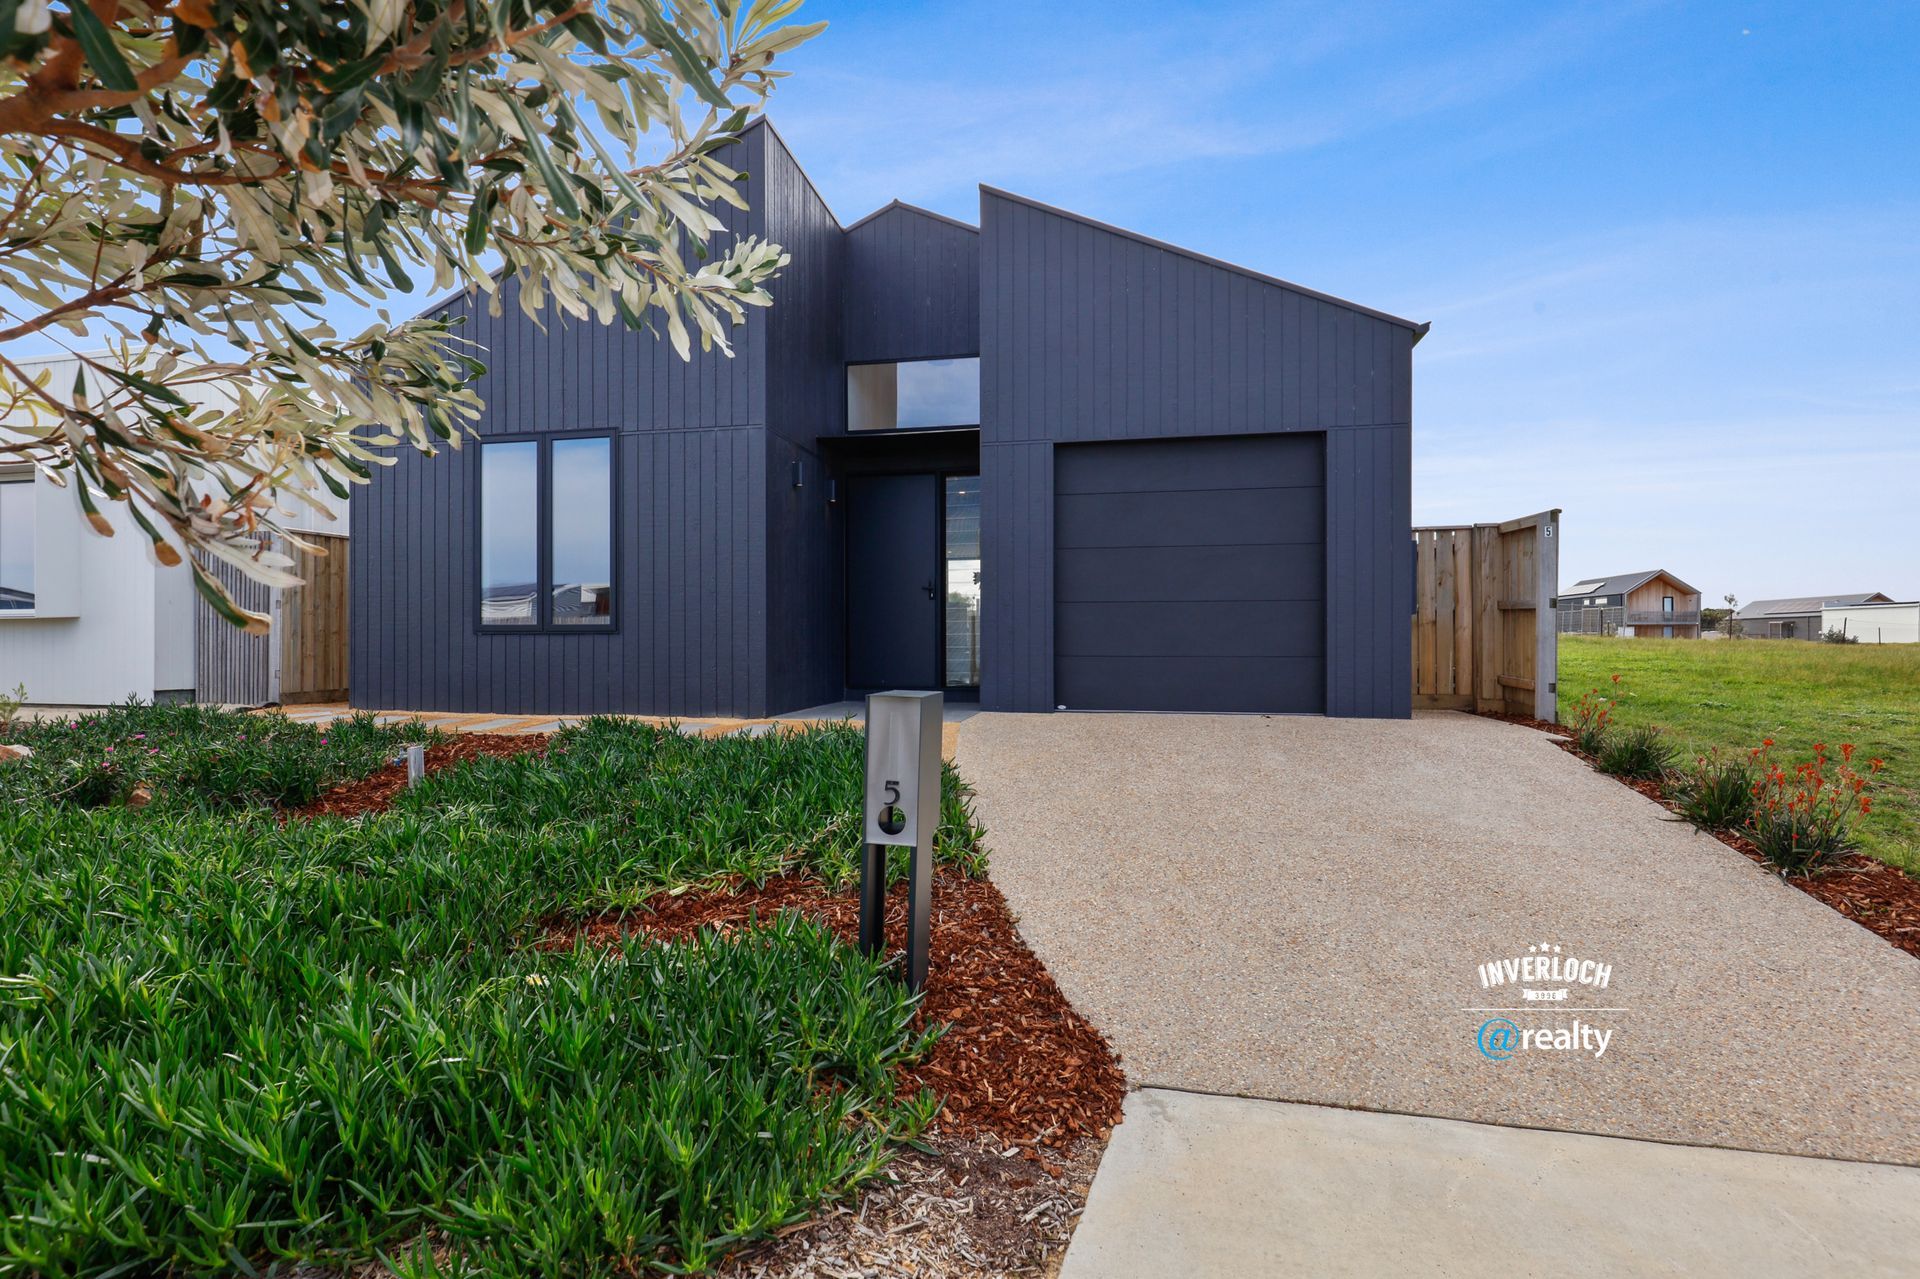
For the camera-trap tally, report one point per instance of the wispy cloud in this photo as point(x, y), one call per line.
point(945, 102)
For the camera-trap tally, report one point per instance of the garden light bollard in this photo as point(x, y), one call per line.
point(416, 765)
point(903, 807)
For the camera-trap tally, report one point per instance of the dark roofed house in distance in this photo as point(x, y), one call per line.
point(1797, 617)
point(1650, 605)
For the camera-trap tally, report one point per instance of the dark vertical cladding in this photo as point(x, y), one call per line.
point(729, 591)
point(1090, 333)
point(1369, 572)
point(690, 518)
point(913, 287)
point(806, 381)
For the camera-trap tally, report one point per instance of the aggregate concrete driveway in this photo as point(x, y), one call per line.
point(1295, 908)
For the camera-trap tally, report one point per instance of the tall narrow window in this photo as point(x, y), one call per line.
point(546, 533)
point(582, 507)
point(16, 543)
point(509, 533)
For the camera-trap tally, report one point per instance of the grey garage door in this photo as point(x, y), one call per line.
point(1190, 575)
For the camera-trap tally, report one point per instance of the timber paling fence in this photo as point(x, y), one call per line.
point(1484, 626)
point(304, 657)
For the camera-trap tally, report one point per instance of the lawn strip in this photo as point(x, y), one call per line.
point(1732, 694)
point(1874, 895)
point(1015, 1061)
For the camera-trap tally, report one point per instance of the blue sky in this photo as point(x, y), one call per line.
point(1671, 253)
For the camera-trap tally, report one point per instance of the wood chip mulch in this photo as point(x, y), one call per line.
point(1016, 1062)
point(963, 1208)
point(377, 791)
point(1878, 897)
point(1527, 721)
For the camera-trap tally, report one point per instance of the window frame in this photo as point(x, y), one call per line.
point(846, 397)
point(947, 686)
point(25, 477)
point(543, 623)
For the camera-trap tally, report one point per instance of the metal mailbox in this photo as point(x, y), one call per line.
point(902, 808)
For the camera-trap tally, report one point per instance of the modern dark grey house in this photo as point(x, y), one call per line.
point(1042, 460)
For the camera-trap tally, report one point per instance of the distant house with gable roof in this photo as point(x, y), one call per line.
point(1650, 605)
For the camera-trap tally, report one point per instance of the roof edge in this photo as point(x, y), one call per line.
point(891, 205)
point(793, 158)
point(1624, 582)
point(1419, 329)
point(1820, 602)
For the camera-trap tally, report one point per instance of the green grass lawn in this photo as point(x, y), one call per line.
point(1734, 693)
point(227, 1042)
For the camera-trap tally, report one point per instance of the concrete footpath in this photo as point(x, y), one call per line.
point(1199, 1185)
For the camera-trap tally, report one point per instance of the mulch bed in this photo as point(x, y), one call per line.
point(952, 1207)
point(377, 791)
point(1527, 721)
point(1016, 1062)
point(1874, 895)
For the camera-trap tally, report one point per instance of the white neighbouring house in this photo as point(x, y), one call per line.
point(1875, 623)
point(87, 620)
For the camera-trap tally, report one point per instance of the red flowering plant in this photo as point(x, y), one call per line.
point(1804, 817)
point(1591, 716)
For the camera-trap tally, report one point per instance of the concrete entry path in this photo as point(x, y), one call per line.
point(1205, 1186)
point(1296, 908)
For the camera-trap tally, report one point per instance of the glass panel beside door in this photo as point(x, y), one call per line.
point(962, 613)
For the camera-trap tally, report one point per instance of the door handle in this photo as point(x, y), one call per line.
point(931, 593)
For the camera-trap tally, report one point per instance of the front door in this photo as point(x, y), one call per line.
point(893, 582)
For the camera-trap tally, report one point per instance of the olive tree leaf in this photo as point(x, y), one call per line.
point(102, 54)
point(225, 168)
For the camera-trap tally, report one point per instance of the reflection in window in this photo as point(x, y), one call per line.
point(582, 506)
point(914, 393)
point(963, 581)
point(16, 544)
point(509, 533)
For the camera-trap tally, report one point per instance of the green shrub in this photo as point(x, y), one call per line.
point(190, 754)
point(675, 809)
point(84, 783)
point(1716, 793)
point(1640, 752)
point(10, 707)
point(227, 1042)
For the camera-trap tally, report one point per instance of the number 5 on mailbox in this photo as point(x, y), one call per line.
point(900, 750)
point(902, 809)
